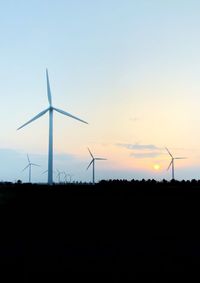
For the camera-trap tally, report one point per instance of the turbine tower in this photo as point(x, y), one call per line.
point(171, 164)
point(50, 109)
point(93, 165)
point(29, 166)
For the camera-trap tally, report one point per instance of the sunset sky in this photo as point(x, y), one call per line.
point(130, 68)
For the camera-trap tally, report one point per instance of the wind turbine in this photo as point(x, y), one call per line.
point(70, 177)
point(50, 109)
point(171, 164)
point(93, 165)
point(58, 175)
point(66, 175)
point(29, 166)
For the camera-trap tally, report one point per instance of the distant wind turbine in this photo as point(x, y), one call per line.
point(70, 177)
point(50, 109)
point(65, 177)
point(93, 165)
point(29, 166)
point(172, 162)
point(58, 175)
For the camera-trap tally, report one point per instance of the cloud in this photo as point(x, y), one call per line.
point(138, 146)
point(146, 154)
point(142, 150)
point(134, 119)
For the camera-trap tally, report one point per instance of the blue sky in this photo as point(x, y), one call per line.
point(129, 68)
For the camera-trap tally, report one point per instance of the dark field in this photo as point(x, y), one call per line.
point(115, 231)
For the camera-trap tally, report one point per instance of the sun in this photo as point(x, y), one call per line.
point(156, 166)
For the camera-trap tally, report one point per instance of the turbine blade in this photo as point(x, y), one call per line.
point(25, 167)
point(90, 164)
point(35, 164)
point(28, 159)
point(169, 152)
point(34, 118)
point(58, 172)
point(180, 158)
point(48, 89)
point(98, 158)
point(90, 153)
point(169, 165)
point(69, 115)
point(45, 172)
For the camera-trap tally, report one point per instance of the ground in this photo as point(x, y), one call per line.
point(116, 231)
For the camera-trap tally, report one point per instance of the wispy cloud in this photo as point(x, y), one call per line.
point(142, 150)
point(134, 119)
point(138, 146)
point(146, 154)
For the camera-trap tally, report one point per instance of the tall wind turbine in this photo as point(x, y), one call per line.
point(29, 166)
point(93, 165)
point(171, 164)
point(50, 109)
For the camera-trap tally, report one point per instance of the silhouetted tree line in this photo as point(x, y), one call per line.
point(112, 182)
point(116, 183)
point(113, 188)
point(113, 229)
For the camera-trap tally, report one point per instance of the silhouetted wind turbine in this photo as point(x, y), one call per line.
point(93, 165)
point(70, 177)
point(50, 109)
point(58, 175)
point(65, 177)
point(172, 162)
point(29, 166)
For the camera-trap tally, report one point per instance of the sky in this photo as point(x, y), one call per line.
point(130, 68)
